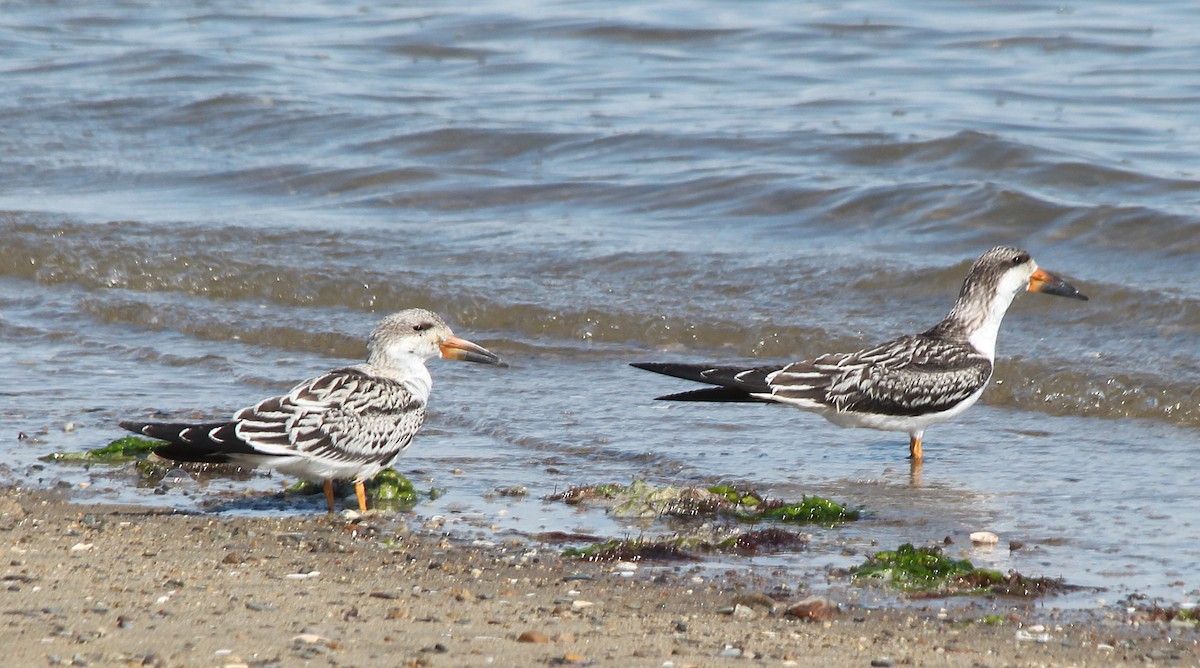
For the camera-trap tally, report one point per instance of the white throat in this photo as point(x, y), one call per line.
point(408, 370)
point(984, 337)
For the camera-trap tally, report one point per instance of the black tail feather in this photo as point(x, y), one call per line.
point(211, 443)
point(734, 383)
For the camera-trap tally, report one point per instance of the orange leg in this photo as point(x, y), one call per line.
point(329, 494)
point(361, 491)
point(914, 447)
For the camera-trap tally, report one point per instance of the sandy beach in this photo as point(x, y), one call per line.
point(116, 585)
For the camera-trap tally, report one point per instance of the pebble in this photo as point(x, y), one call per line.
point(984, 538)
point(882, 662)
point(816, 608)
point(743, 612)
point(580, 604)
point(730, 652)
point(533, 637)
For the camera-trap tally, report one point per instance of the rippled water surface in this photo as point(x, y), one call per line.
point(203, 204)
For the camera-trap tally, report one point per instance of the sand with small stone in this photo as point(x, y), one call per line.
point(97, 585)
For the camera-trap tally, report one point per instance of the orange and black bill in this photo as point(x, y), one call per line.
point(463, 350)
point(1047, 283)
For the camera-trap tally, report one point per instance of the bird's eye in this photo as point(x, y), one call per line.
point(1018, 259)
point(420, 326)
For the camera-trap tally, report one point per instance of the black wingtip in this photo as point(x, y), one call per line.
point(185, 453)
point(685, 371)
point(714, 394)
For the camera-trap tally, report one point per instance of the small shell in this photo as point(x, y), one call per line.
point(984, 538)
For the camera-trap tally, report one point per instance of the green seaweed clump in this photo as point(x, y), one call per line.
point(304, 488)
point(632, 549)
point(124, 449)
point(915, 568)
point(810, 510)
point(392, 491)
point(641, 499)
point(927, 570)
point(388, 490)
point(685, 547)
point(736, 495)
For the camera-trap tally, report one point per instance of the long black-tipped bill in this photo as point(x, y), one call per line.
point(463, 350)
point(1047, 283)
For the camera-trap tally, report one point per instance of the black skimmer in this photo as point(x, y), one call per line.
point(350, 423)
point(906, 384)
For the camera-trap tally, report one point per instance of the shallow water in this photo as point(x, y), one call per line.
point(203, 204)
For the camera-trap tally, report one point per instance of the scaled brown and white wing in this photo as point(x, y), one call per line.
point(346, 416)
point(912, 375)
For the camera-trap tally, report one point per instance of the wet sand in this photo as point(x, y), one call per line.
point(118, 585)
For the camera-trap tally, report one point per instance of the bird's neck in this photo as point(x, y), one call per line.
point(407, 369)
point(975, 320)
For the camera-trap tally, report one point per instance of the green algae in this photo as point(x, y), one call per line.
point(125, 449)
point(914, 568)
point(632, 549)
point(928, 571)
point(392, 491)
point(810, 510)
point(736, 495)
point(640, 499)
point(388, 490)
point(690, 547)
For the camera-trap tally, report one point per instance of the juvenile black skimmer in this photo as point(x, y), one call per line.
point(350, 423)
point(905, 384)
